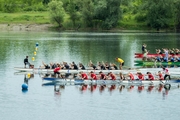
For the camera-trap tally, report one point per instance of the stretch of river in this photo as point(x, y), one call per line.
point(75, 102)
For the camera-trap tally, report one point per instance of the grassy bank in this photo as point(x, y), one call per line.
point(127, 23)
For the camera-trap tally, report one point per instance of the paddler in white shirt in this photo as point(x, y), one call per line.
point(166, 72)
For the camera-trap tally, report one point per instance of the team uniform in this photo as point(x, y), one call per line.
point(131, 76)
point(150, 76)
point(93, 76)
point(84, 76)
point(56, 70)
point(102, 76)
point(140, 76)
point(113, 77)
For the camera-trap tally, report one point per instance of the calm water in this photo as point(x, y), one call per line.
point(42, 103)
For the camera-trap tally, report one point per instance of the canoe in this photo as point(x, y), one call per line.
point(49, 71)
point(151, 63)
point(140, 55)
point(40, 70)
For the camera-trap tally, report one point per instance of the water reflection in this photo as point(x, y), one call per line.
point(110, 88)
point(25, 86)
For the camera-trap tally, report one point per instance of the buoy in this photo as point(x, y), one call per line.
point(37, 44)
point(24, 86)
point(34, 52)
point(36, 48)
point(33, 58)
point(28, 75)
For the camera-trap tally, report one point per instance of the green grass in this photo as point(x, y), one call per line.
point(25, 18)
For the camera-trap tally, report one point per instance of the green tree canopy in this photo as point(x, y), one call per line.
point(57, 12)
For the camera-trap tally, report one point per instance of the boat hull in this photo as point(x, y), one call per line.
point(151, 63)
point(140, 55)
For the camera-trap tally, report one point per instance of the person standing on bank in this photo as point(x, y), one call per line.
point(121, 61)
point(26, 62)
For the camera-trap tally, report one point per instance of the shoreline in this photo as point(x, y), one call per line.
point(25, 27)
point(51, 27)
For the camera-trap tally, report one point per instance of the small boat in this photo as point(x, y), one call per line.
point(154, 63)
point(140, 55)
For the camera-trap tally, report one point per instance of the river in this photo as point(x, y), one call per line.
point(72, 102)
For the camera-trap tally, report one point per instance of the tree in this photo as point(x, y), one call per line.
point(88, 12)
point(159, 13)
point(57, 12)
point(73, 11)
point(177, 14)
point(108, 12)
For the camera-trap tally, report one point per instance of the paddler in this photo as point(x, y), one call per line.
point(102, 76)
point(121, 61)
point(140, 76)
point(150, 76)
point(93, 75)
point(130, 76)
point(113, 77)
point(83, 75)
point(160, 75)
point(56, 70)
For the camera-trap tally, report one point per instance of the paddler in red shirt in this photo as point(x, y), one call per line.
point(140, 76)
point(56, 70)
point(160, 75)
point(130, 75)
point(102, 76)
point(93, 75)
point(150, 76)
point(83, 75)
point(113, 77)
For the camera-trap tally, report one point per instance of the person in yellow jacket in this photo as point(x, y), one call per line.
point(121, 61)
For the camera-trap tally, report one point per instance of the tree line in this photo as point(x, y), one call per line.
point(102, 14)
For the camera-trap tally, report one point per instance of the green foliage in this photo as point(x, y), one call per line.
point(88, 13)
point(10, 6)
point(177, 14)
point(159, 13)
point(57, 12)
point(73, 11)
point(108, 11)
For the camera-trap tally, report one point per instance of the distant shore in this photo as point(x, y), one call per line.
point(25, 27)
point(51, 27)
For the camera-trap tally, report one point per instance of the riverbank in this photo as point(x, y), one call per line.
point(25, 27)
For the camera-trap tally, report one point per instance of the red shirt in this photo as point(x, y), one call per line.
point(151, 77)
point(84, 76)
point(93, 76)
point(131, 76)
point(102, 76)
point(113, 77)
point(161, 76)
point(57, 69)
point(141, 76)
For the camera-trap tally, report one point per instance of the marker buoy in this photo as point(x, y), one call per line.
point(28, 75)
point(24, 86)
point(33, 58)
point(37, 44)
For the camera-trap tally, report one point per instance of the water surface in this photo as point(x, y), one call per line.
point(42, 103)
